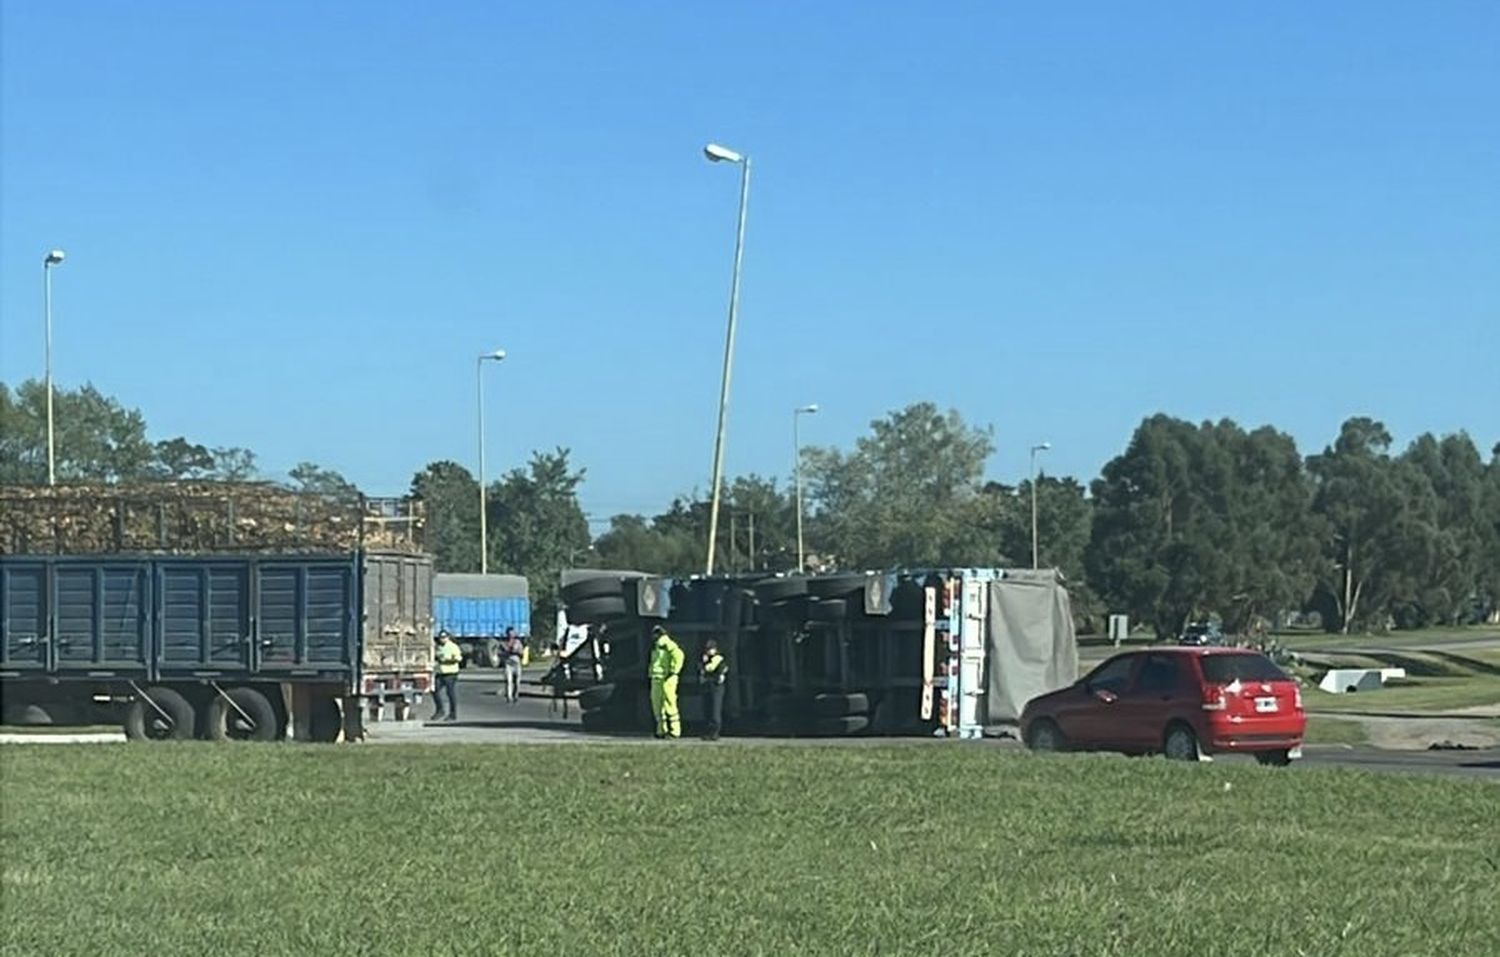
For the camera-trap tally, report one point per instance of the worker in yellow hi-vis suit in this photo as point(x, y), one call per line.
point(666, 665)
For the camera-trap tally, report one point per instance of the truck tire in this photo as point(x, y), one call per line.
point(604, 586)
point(145, 723)
point(594, 610)
point(326, 720)
point(836, 586)
point(28, 714)
point(834, 727)
point(492, 653)
point(592, 699)
point(225, 722)
point(780, 589)
point(840, 705)
point(828, 610)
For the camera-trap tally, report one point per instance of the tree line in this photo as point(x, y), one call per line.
point(1190, 520)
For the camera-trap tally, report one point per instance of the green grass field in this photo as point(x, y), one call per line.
point(1320, 641)
point(1436, 681)
point(694, 849)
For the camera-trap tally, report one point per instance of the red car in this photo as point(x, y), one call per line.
point(1187, 703)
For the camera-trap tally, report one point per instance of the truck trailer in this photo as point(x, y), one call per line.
point(911, 651)
point(220, 611)
point(477, 609)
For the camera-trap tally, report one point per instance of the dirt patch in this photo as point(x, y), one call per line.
point(1415, 734)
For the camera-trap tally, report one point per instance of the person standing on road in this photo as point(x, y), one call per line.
point(715, 677)
point(450, 658)
point(665, 668)
point(510, 651)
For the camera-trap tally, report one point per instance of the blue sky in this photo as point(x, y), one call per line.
point(291, 227)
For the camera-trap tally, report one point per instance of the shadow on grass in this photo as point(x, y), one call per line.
point(1417, 667)
point(1469, 664)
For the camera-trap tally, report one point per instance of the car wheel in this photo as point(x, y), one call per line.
point(1181, 744)
point(1274, 759)
point(1045, 735)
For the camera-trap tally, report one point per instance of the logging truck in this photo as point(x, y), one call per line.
point(212, 610)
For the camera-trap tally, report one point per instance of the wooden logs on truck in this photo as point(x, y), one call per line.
point(199, 516)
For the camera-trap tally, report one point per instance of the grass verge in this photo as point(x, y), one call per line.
point(695, 849)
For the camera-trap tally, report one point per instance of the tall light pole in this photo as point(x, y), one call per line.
point(53, 258)
point(484, 519)
point(1045, 446)
point(720, 154)
point(797, 415)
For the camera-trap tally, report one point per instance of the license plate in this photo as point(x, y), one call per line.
point(1265, 705)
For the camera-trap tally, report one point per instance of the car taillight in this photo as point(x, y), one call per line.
point(1297, 697)
point(1213, 698)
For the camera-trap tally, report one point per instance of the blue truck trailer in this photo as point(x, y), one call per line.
point(219, 612)
point(477, 609)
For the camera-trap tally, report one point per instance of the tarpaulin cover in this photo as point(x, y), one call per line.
point(1032, 646)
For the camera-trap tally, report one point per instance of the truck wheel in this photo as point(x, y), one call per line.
point(145, 723)
point(592, 699)
point(604, 587)
point(780, 589)
point(492, 653)
point(833, 727)
point(28, 714)
point(226, 723)
point(828, 610)
point(325, 720)
point(594, 610)
point(836, 586)
point(839, 705)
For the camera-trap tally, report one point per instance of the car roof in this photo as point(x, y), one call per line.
point(1192, 650)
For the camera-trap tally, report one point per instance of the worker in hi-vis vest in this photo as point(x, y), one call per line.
point(666, 665)
point(449, 659)
point(715, 674)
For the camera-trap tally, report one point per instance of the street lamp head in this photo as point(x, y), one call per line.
point(1044, 447)
point(717, 153)
point(54, 257)
point(497, 355)
point(808, 409)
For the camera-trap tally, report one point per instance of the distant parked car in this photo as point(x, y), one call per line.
point(1185, 702)
point(1201, 634)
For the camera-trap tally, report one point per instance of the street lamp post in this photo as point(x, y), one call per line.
point(720, 154)
point(797, 415)
point(484, 520)
point(53, 258)
point(1045, 446)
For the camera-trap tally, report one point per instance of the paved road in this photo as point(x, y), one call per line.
point(486, 718)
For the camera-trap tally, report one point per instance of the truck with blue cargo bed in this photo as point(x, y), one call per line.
point(476, 610)
point(222, 611)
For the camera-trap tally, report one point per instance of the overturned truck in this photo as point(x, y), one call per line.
point(939, 651)
point(214, 610)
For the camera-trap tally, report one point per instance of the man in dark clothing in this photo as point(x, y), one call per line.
point(715, 675)
point(510, 651)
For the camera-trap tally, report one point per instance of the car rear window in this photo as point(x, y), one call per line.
point(1226, 669)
